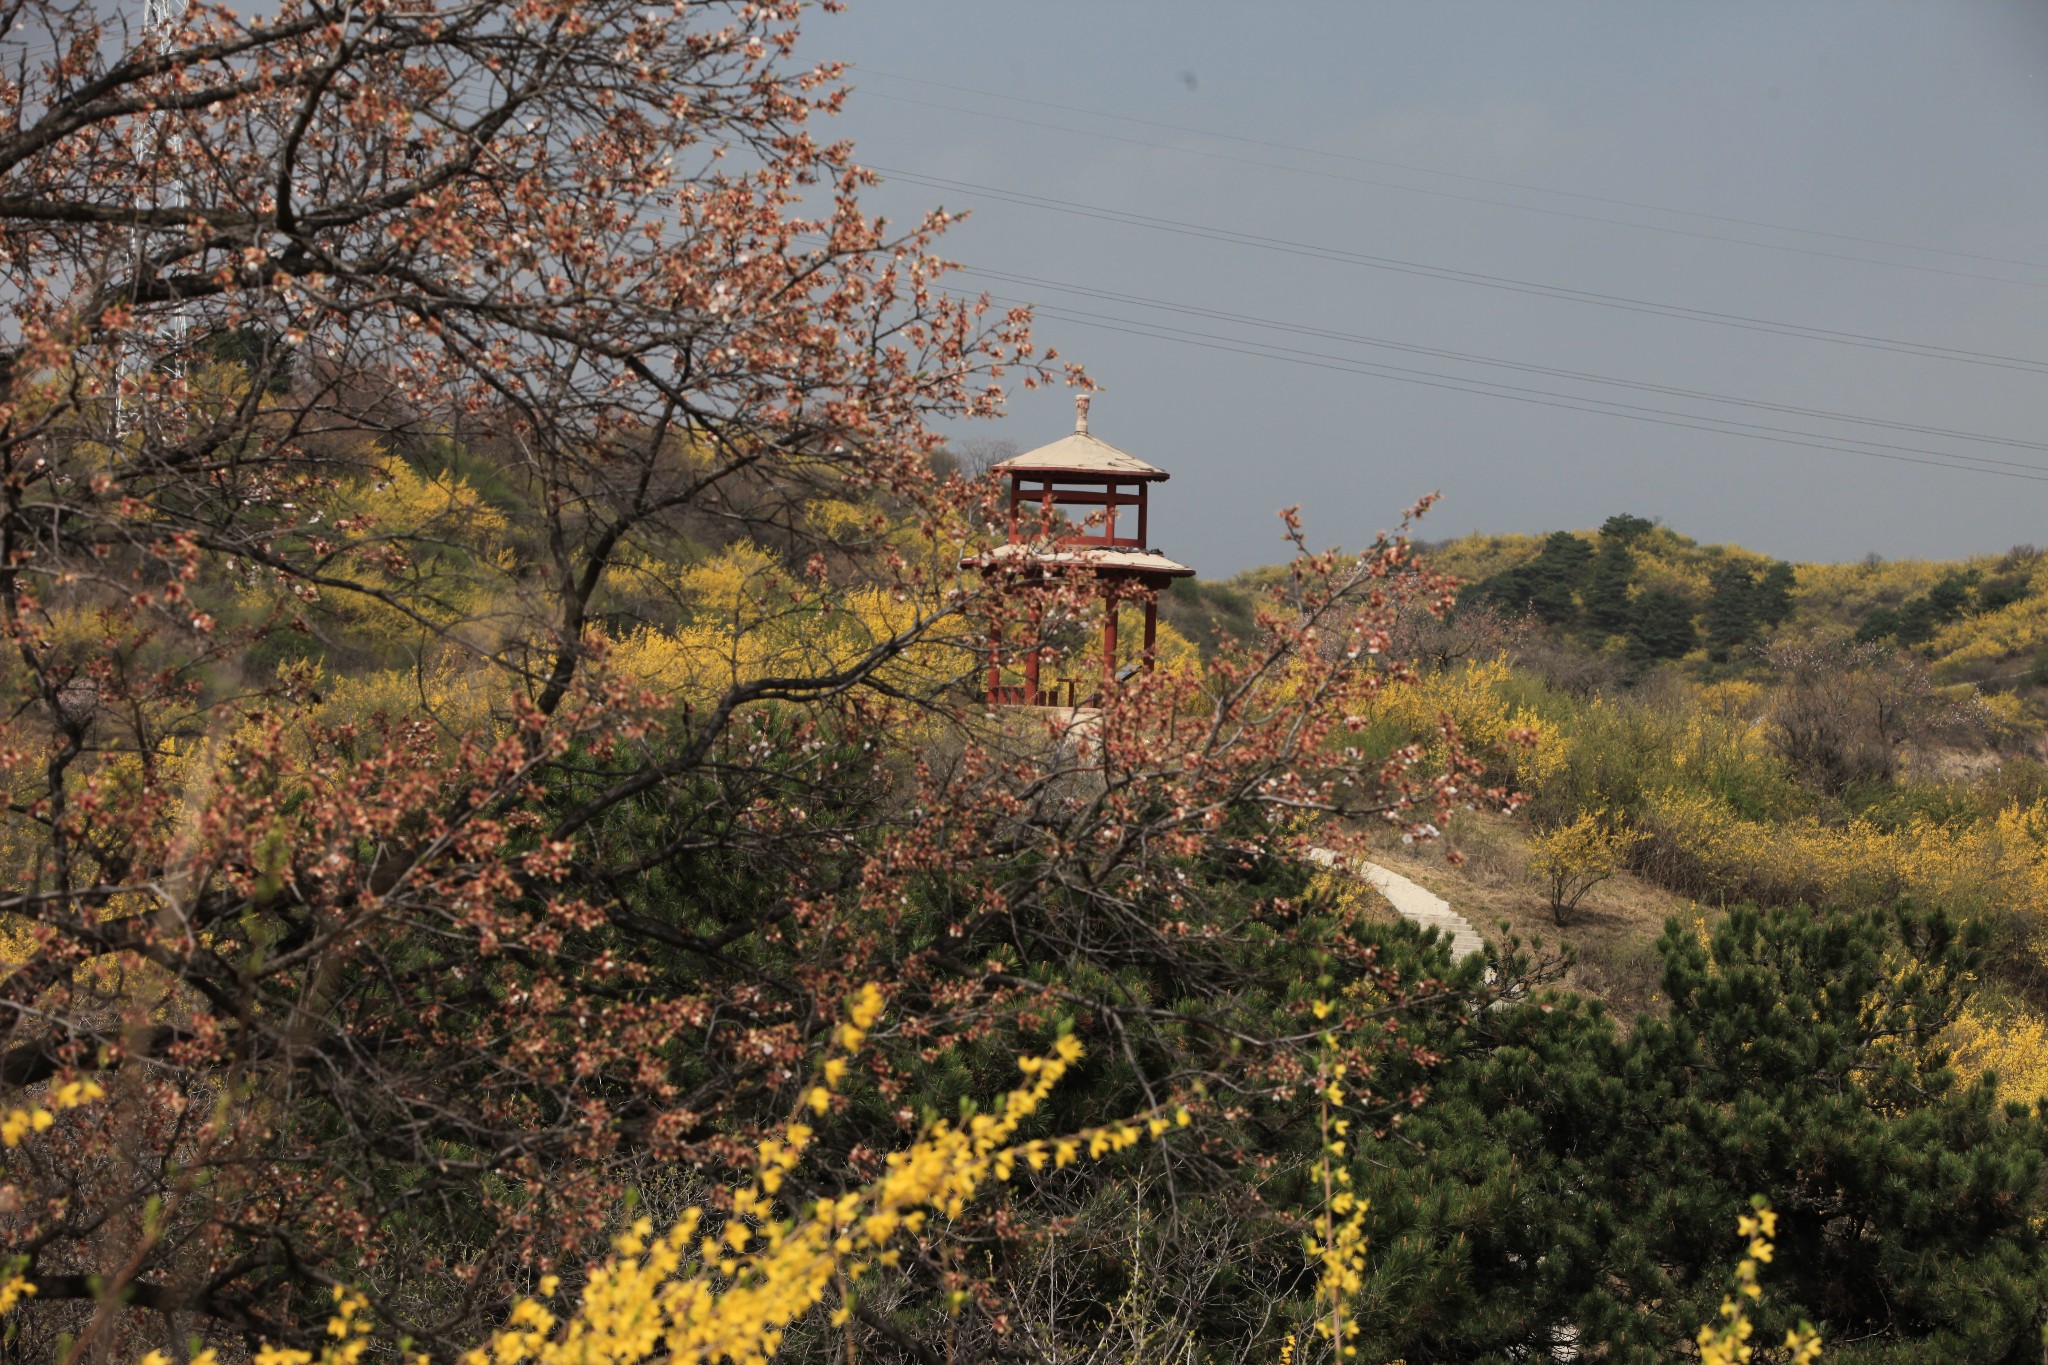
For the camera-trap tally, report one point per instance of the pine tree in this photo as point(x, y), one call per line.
point(1625, 529)
point(1563, 1176)
point(1546, 586)
point(1661, 626)
point(1774, 594)
point(1607, 594)
point(1732, 610)
point(1880, 623)
point(1920, 617)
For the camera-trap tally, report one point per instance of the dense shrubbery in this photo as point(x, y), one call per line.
point(1665, 597)
point(1747, 791)
point(1551, 1193)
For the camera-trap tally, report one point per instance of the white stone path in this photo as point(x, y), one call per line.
point(1410, 901)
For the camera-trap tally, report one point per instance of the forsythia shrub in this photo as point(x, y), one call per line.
point(2012, 1046)
point(1614, 753)
point(1570, 860)
point(697, 1294)
point(16, 1126)
point(750, 617)
point(1727, 1341)
point(1846, 592)
point(455, 695)
point(1339, 1249)
point(693, 1294)
point(1701, 847)
point(2018, 628)
point(1477, 699)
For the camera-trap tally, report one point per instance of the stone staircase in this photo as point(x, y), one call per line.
point(1410, 901)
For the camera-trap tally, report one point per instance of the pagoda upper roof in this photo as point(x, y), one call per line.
point(1080, 453)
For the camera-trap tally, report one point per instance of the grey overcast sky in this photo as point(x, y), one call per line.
point(1912, 137)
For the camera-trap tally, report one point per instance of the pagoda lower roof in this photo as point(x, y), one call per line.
point(1096, 557)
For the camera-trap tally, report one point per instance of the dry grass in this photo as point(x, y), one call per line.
point(1612, 938)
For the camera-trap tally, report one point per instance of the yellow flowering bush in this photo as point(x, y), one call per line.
point(1701, 847)
point(699, 1294)
point(1847, 592)
point(708, 1290)
point(1544, 762)
point(1614, 753)
point(1470, 694)
point(2012, 1045)
point(1338, 1249)
point(1721, 736)
point(2019, 627)
point(16, 943)
point(412, 530)
point(1727, 1341)
point(1571, 859)
point(1471, 558)
point(16, 1126)
point(444, 505)
point(349, 1326)
point(749, 619)
point(2004, 717)
point(449, 688)
point(1479, 699)
point(1676, 564)
point(1737, 697)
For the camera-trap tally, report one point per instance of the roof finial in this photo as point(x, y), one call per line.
point(1081, 413)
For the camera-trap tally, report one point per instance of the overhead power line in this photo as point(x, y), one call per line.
point(1594, 298)
point(1451, 175)
point(1539, 397)
point(1471, 358)
point(1479, 199)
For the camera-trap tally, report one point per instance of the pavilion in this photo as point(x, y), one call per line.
point(1111, 490)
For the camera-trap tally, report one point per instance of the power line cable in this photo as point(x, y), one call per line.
point(1495, 389)
point(1477, 199)
point(1569, 403)
point(1488, 388)
point(1623, 302)
point(1513, 393)
point(1516, 393)
point(1468, 357)
point(1451, 175)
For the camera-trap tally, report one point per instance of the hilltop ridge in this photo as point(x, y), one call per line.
point(1641, 593)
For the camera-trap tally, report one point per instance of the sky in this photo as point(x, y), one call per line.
point(1840, 208)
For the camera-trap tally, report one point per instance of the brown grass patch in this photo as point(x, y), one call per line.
point(1612, 938)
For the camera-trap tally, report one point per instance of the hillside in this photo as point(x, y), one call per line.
point(1610, 942)
point(1745, 730)
point(1665, 595)
point(1638, 593)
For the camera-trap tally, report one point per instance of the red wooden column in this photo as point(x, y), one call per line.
point(1031, 693)
point(995, 662)
point(1109, 633)
point(1151, 628)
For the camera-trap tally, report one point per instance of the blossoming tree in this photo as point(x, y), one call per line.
point(485, 644)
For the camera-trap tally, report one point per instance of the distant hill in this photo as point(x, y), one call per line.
point(1647, 594)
